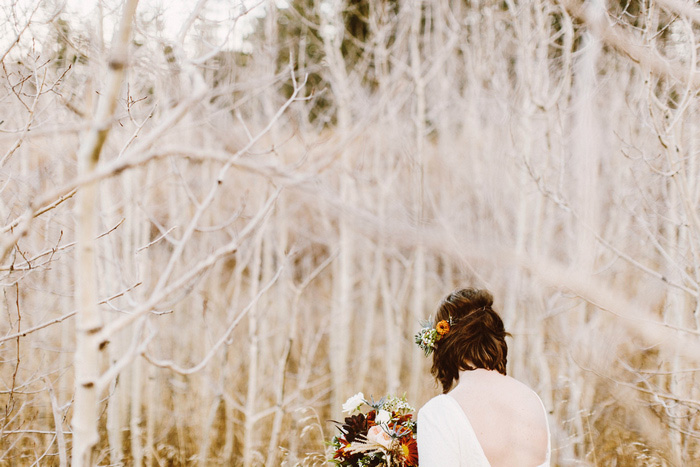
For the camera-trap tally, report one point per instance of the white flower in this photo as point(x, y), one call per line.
point(354, 403)
point(397, 404)
point(383, 417)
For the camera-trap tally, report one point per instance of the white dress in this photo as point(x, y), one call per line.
point(447, 439)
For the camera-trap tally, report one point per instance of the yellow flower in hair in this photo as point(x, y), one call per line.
point(442, 327)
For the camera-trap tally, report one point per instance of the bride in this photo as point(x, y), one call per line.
point(483, 418)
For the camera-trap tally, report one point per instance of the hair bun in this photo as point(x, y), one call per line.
point(464, 301)
point(479, 297)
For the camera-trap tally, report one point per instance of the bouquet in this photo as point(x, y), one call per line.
point(376, 434)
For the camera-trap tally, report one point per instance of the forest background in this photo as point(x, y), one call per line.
point(219, 225)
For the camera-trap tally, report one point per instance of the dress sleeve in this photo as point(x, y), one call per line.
point(438, 439)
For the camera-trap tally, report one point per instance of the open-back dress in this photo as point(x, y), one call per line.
point(447, 439)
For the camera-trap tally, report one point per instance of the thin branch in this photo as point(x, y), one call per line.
point(155, 298)
point(55, 250)
point(19, 34)
point(159, 238)
point(628, 45)
point(62, 318)
point(687, 9)
point(169, 364)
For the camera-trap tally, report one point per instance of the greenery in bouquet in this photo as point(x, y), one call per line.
point(376, 434)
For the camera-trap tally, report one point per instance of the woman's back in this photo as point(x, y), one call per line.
point(507, 417)
point(488, 419)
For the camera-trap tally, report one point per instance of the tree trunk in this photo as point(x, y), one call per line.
point(253, 358)
point(89, 349)
point(418, 292)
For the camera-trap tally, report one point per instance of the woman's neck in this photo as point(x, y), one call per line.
point(477, 373)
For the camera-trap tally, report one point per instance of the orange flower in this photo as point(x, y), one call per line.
point(442, 327)
point(409, 450)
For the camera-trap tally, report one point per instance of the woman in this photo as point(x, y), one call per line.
point(483, 418)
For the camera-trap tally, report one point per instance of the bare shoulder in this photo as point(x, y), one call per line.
point(520, 398)
point(524, 393)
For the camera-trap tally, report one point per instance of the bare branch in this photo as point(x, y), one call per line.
point(169, 364)
point(62, 318)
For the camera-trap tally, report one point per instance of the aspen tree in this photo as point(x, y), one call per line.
point(586, 156)
point(115, 412)
point(369, 268)
point(332, 30)
point(680, 306)
point(419, 116)
point(391, 286)
point(89, 348)
point(252, 388)
point(230, 360)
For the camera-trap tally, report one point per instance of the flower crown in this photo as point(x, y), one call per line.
point(428, 336)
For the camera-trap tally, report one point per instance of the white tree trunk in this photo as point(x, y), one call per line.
point(418, 289)
point(89, 348)
point(340, 335)
point(251, 401)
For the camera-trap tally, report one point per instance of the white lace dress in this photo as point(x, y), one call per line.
point(447, 439)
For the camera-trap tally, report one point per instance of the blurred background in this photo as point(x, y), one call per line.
point(286, 189)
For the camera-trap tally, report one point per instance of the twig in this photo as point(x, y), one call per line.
point(163, 235)
point(186, 278)
point(35, 432)
point(62, 318)
point(9, 407)
point(684, 8)
point(54, 250)
point(626, 44)
point(169, 364)
point(60, 199)
point(19, 34)
point(109, 170)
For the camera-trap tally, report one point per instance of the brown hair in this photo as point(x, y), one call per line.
point(476, 338)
